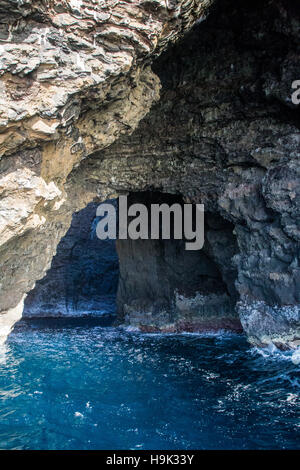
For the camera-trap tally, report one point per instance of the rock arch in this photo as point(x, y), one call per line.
point(223, 132)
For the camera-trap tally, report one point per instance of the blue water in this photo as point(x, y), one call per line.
point(83, 386)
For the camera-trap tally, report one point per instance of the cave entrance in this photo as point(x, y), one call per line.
point(83, 277)
point(162, 286)
point(154, 285)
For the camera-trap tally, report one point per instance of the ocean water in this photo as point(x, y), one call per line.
point(79, 385)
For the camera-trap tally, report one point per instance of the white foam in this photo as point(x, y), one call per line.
point(273, 353)
point(296, 356)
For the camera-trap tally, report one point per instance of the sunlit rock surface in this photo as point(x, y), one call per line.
point(164, 287)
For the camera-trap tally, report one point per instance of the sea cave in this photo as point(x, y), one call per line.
point(177, 102)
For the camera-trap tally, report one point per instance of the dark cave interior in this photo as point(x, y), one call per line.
point(94, 277)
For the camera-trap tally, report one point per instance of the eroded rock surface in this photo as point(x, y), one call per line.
point(224, 133)
point(163, 286)
point(74, 76)
point(83, 277)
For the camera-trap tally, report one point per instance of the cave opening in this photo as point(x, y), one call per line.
point(154, 285)
point(164, 287)
point(83, 277)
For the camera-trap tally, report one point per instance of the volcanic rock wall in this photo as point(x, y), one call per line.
point(224, 133)
point(74, 76)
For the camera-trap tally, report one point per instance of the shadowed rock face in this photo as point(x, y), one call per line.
point(83, 277)
point(224, 133)
point(163, 286)
point(74, 76)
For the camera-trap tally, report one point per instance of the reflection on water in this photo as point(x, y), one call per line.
point(85, 386)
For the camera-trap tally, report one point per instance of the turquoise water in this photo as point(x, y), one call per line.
point(83, 386)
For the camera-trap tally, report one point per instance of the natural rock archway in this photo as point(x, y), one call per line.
point(224, 133)
point(74, 77)
point(164, 287)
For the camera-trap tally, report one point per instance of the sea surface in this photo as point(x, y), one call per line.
point(83, 384)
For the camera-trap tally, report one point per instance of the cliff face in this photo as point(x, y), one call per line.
point(77, 81)
point(73, 78)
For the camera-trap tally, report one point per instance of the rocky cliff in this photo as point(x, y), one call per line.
point(96, 101)
point(83, 277)
point(75, 75)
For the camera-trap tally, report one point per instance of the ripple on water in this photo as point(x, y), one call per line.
point(89, 387)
